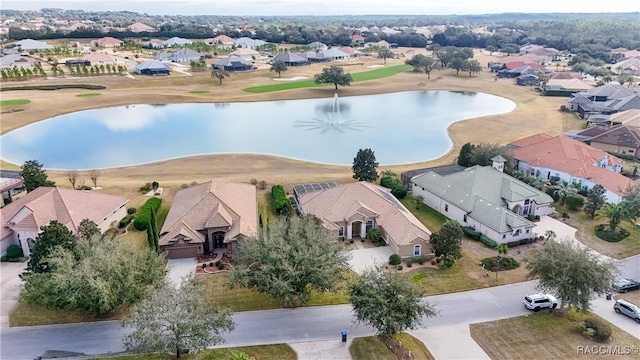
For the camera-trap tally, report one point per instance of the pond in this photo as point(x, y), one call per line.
point(404, 127)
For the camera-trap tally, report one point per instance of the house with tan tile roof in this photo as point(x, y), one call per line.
point(140, 27)
point(108, 42)
point(209, 216)
point(22, 219)
point(349, 210)
point(486, 199)
point(543, 156)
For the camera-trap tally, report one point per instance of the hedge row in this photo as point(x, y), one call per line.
point(478, 236)
point(54, 87)
point(144, 215)
point(280, 201)
point(396, 186)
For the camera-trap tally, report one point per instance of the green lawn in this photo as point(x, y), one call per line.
point(432, 219)
point(370, 348)
point(162, 214)
point(361, 76)
point(242, 299)
point(16, 102)
point(262, 352)
point(266, 210)
point(198, 91)
point(88, 95)
point(26, 314)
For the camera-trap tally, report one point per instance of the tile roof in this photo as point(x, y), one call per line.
point(108, 40)
point(212, 204)
point(67, 206)
point(483, 192)
point(570, 84)
point(629, 117)
point(97, 57)
point(571, 156)
point(337, 204)
point(223, 39)
point(288, 57)
point(140, 27)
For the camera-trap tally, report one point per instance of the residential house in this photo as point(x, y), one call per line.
point(22, 219)
point(185, 55)
point(11, 185)
point(220, 40)
point(246, 53)
point(348, 211)
point(380, 44)
point(176, 42)
point(291, 59)
point(357, 40)
point(485, 199)
point(153, 68)
point(234, 63)
point(5, 52)
point(350, 51)
point(335, 54)
point(629, 66)
point(32, 45)
point(108, 42)
point(140, 27)
point(17, 61)
point(563, 159)
point(249, 43)
point(209, 216)
point(629, 117)
point(163, 56)
point(406, 176)
point(317, 46)
point(98, 59)
point(606, 99)
point(620, 54)
point(152, 45)
point(513, 72)
point(565, 86)
point(618, 139)
point(528, 80)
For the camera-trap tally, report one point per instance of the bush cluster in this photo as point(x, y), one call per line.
point(125, 221)
point(506, 263)
point(131, 210)
point(280, 201)
point(488, 242)
point(14, 253)
point(478, 236)
point(603, 331)
point(551, 191)
point(393, 183)
point(376, 238)
point(144, 215)
point(395, 259)
point(574, 202)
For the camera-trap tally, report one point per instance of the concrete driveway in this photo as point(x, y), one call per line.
point(179, 268)
point(9, 289)
point(564, 232)
point(362, 259)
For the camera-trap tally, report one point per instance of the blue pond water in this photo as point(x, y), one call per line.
point(403, 127)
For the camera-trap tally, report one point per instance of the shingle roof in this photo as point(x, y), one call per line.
point(152, 65)
point(483, 192)
point(337, 204)
point(620, 135)
point(67, 206)
point(212, 204)
point(185, 53)
point(233, 60)
point(289, 58)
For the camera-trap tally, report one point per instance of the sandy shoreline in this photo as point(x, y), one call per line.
point(533, 114)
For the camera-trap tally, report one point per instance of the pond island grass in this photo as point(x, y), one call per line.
point(361, 76)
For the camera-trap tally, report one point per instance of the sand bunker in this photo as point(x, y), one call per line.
point(292, 79)
point(375, 66)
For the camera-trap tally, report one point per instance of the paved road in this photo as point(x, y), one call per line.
point(282, 325)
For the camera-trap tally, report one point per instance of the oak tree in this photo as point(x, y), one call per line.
point(365, 165)
point(335, 75)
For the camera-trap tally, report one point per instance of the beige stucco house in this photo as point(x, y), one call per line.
point(349, 210)
point(22, 219)
point(209, 216)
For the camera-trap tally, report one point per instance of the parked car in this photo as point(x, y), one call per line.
point(624, 285)
point(538, 301)
point(627, 308)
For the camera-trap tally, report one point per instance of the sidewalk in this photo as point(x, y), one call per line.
point(450, 342)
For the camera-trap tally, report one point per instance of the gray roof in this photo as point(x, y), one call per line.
point(612, 90)
point(483, 192)
point(233, 60)
point(334, 53)
point(30, 44)
point(176, 41)
point(152, 65)
point(289, 58)
point(16, 60)
point(185, 53)
point(246, 42)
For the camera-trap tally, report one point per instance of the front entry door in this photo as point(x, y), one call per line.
point(218, 239)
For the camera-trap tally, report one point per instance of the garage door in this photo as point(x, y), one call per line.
point(183, 252)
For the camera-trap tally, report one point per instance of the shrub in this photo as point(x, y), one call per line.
point(574, 202)
point(399, 267)
point(212, 263)
point(220, 265)
point(471, 233)
point(204, 265)
point(506, 263)
point(551, 191)
point(125, 221)
point(394, 259)
point(376, 238)
point(14, 252)
point(603, 331)
point(409, 262)
point(396, 186)
point(253, 182)
point(565, 214)
point(131, 210)
point(488, 242)
point(262, 185)
point(155, 185)
point(145, 188)
point(280, 201)
point(144, 215)
point(433, 262)
point(604, 233)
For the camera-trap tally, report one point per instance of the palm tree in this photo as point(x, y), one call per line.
point(565, 191)
point(219, 74)
point(419, 199)
point(615, 213)
point(502, 250)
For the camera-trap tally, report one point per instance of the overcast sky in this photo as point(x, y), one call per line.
point(328, 7)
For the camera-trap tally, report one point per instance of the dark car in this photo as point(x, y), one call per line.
point(624, 285)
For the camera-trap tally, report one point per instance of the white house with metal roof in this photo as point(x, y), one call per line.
point(486, 199)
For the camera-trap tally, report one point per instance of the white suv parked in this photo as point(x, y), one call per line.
point(538, 301)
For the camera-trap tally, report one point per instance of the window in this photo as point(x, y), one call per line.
point(341, 231)
point(416, 250)
point(517, 232)
point(446, 207)
point(527, 231)
point(464, 218)
point(369, 225)
point(504, 236)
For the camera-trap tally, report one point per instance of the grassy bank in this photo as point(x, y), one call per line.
point(16, 102)
point(361, 76)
